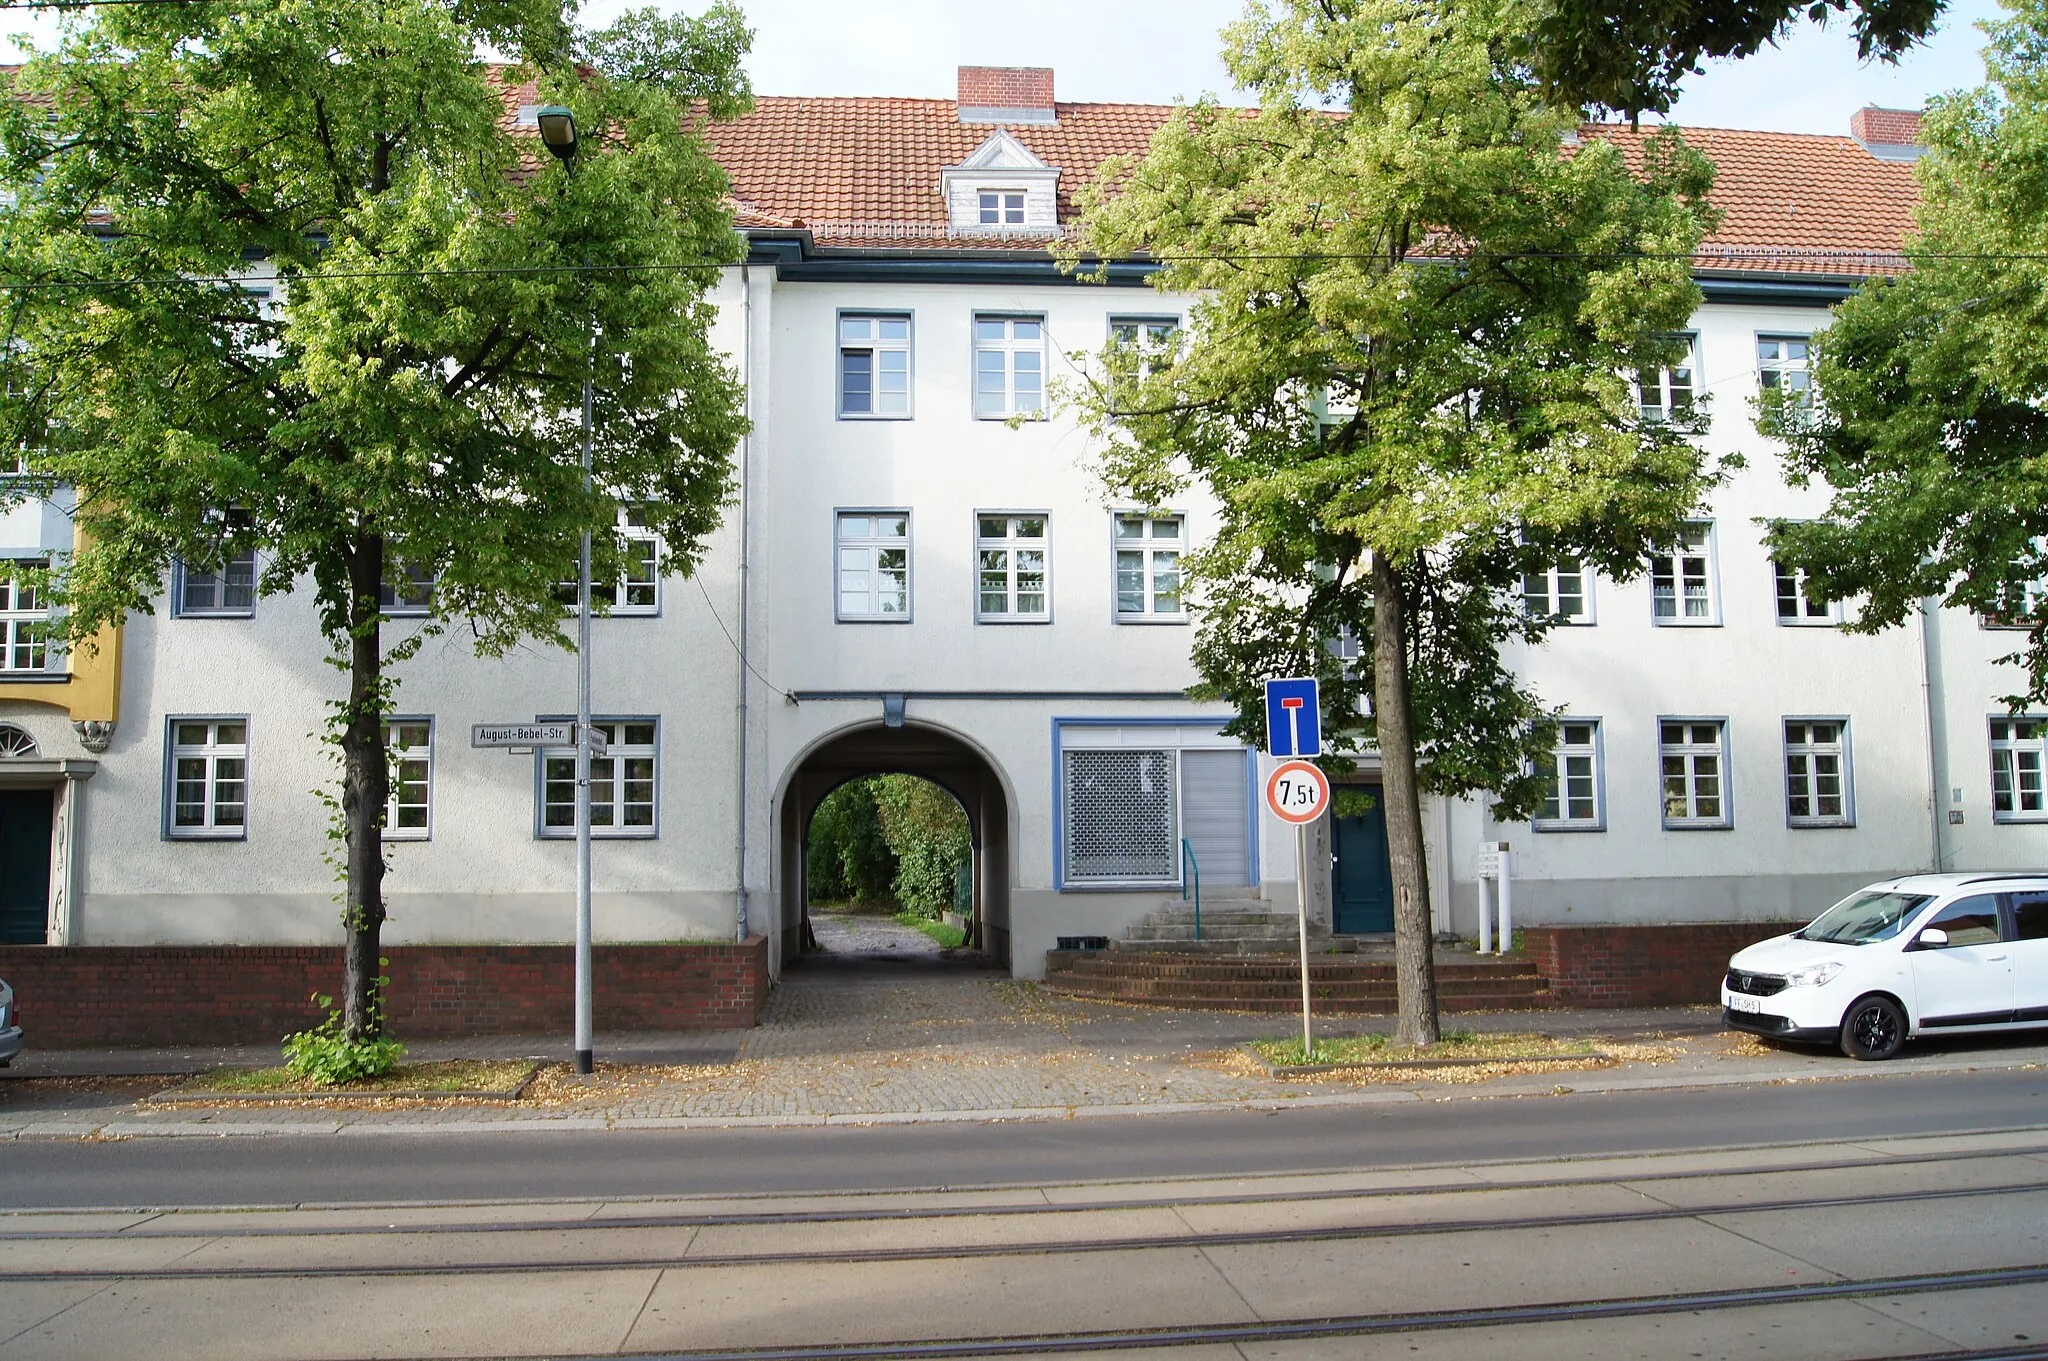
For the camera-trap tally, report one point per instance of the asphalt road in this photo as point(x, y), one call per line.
point(447, 1164)
point(1841, 1251)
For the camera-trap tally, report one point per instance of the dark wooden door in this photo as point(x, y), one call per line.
point(24, 865)
point(1362, 878)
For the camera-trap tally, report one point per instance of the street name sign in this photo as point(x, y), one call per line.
point(1297, 792)
point(532, 735)
point(1293, 718)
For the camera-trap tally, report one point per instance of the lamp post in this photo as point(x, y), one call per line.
point(558, 134)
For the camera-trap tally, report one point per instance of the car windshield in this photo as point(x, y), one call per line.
point(1864, 917)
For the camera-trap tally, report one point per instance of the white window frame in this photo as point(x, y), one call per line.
point(1011, 544)
point(604, 773)
point(994, 206)
point(1672, 567)
point(184, 580)
point(1593, 750)
point(19, 639)
point(212, 751)
point(1690, 750)
point(1011, 349)
point(419, 755)
point(2007, 749)
point(1664, 409)
point(1148, 547)
point(1784, 372)
point(872, 546)
point(614, 598)
point(415, 601)
point(2031, 594)
point(1784, 575)
point(1150, 336)
point(875, 347)
point(1552, 589)
point(1807, 752)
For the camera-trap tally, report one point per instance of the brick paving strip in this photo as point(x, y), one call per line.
point(884, 1027)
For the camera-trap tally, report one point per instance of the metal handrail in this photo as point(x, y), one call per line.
point(1188, 862)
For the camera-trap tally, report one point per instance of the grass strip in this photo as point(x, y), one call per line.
point(1464, 1045)
point(449, 1077)
point(946, 936)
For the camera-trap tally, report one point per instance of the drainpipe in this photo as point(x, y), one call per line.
point(1935, 811)
point(746, 486)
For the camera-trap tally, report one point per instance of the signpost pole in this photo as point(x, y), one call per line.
point(1299, 793)
point(1308, 1043)
point(584, 1058)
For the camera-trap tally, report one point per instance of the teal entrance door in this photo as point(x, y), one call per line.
point(1362, 878)
point(24, 865)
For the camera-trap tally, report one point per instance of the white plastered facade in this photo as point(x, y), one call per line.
point(1917, 708)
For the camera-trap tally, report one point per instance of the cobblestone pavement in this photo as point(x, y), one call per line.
point(886, 1026)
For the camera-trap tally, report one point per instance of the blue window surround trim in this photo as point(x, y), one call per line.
point(1059, 783)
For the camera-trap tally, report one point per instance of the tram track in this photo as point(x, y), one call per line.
point(164, 1218)
point(1186, 1238)
point(1391, 1323)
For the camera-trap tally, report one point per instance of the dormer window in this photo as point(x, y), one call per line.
point(1002, 187)
point(1002, 208)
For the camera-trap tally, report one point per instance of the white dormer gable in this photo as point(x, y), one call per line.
point(1002, 187)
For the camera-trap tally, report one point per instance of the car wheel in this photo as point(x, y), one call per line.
point(1873, 1028)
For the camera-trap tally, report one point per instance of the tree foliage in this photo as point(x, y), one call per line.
point(848, 858)
point(1931, 421)
point(927, 829)
point(407, 398)
point(1631, 55)
point(1402, 381)
point(886, 837)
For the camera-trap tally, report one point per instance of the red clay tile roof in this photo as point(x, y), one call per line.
point(867, 169)
point(865, 172)
point(1796, 203)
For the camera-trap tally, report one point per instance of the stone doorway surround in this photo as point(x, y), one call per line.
point(65, 777)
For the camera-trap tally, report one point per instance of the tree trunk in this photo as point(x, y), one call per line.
point(365, 785)
point(1414, 967)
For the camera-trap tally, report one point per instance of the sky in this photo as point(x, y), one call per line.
point(1154, 51)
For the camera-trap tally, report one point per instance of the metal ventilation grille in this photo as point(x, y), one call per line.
point(1119, 816)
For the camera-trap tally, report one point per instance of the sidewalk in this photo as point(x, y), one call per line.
point(899, 1032)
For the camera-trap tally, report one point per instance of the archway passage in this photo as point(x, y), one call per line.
point(930, 754)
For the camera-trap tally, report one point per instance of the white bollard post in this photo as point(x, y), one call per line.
point(1507, 903)
point(1485, 911)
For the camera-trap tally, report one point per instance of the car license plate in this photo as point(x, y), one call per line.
point(1737, 1002)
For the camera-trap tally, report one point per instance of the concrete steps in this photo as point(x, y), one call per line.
point(1229, 926)
point(1339, 985)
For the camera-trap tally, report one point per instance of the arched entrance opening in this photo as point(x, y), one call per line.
point(912, 749)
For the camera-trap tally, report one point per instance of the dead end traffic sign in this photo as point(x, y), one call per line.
point(1297, 792)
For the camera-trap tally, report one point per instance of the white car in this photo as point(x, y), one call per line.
point(1925, 954)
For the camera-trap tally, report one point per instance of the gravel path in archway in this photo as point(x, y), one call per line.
point(848, 933)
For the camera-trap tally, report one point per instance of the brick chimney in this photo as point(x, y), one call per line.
point(1888, 134)
point(1006, 94)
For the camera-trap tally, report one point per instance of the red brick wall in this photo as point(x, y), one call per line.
point(1885, 127)
point(1640, 966)
point(1006, 87)
point(87, 995)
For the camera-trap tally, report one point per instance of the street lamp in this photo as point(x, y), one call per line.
point(558, 134)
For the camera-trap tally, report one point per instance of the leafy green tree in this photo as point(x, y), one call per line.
point(408, 400)
point(849, 857)
point(927, 831)
point(1931, 415)
point(1403, 382)
point(1631, 55)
